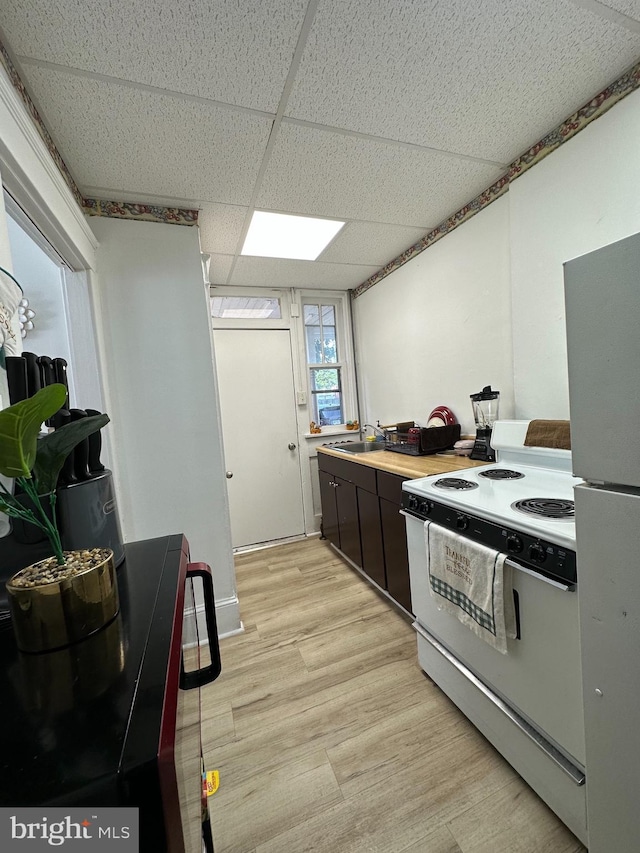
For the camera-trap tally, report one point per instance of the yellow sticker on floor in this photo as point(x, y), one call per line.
point(212, 782)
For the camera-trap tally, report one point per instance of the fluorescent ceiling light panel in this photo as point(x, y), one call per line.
point(278, 235)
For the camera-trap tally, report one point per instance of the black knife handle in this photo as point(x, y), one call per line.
point(47, 371)
point(67, 474)
point(47, 377)
point(95, 447)
point(17, 378)
point(81, 450)
point(33, 373)
point(60, 371)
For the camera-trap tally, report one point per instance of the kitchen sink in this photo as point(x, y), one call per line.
point(359, 446)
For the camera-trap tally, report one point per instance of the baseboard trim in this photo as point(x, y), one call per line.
point(227, 617)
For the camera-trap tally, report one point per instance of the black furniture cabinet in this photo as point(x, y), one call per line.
point(361, 518)
point(114, 719)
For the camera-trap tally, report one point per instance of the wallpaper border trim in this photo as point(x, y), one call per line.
point(92, 206)
point(143, 212)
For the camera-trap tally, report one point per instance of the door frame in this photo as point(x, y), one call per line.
point(299, 382)
point(291, 301)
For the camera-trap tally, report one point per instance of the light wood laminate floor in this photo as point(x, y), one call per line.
point(329, 738)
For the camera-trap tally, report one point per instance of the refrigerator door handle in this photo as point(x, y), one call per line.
point(209, 673)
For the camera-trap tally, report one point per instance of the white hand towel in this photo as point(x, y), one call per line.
point(473, 583)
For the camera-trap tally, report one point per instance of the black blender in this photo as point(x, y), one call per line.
point(485, 412)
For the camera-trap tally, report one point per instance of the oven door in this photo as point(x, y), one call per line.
point(540, 676)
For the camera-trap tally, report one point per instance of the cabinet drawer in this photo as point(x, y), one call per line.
point(352, 472)
point(390, 486)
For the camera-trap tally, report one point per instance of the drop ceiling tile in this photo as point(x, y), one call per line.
point(371, 243)
point(276, 272)
point(317, 172)
point(221, 227)
point(219, 268)
point(234, 52)
point(123, 138)
point(486, 79)
point(627, 7)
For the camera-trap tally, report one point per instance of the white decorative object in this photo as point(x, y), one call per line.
point(10, 294)
point(25, 316)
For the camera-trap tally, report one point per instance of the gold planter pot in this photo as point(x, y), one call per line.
point(51, 609)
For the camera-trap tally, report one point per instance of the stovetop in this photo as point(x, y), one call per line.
point(494, 499)
point(545, 478)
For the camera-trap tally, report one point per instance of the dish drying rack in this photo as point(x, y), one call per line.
point(419, 441)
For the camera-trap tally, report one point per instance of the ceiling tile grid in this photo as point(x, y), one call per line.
point(219, 267)
point(397, 117)
point(370, 243)
point(275, 272)
point(316, 172)
point(221, 227)
point(235, 52)
point(454, 74)
point(123, 137)
point(627, 7)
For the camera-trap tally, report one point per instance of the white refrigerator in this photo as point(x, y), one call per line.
point(602, 296)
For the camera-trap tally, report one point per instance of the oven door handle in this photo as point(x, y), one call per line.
point(206, 674)
point(557, 584)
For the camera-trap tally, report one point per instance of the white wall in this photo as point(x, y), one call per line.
point(439, 328)
point(153, 317)
point(582, 197)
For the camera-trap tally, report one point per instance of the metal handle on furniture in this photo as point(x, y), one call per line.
point(205, 674)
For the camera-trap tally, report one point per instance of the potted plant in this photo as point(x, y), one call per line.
point(71, 594)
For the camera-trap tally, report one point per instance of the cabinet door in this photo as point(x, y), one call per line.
point(330, 526)
point(347, 504)
point(396, 559)
point(371, 537)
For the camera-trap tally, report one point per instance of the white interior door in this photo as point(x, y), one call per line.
point(257, 404)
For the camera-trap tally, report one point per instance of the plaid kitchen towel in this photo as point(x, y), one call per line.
point(473, 583)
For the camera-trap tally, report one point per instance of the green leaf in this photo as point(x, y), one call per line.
point(19, 428)
point(54, 448)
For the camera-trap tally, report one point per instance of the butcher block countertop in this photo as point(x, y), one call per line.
point(404, 465)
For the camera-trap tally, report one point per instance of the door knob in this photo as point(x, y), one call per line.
point(292, 446)
point(229, 475)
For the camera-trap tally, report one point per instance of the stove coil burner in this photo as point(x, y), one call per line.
point(501, 474)
point(456, 483)
point(546, 507)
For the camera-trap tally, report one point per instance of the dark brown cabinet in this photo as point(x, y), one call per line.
point(371, 537)
point(394, 536)
point(361, 517)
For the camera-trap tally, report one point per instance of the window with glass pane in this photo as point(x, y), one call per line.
point(245, 308)
point(322, 349)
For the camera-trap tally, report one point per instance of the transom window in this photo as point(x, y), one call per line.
point(323, 360)
point(245, 308)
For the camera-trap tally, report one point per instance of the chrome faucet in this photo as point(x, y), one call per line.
point(376, 429)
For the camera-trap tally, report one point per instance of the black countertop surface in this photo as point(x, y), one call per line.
point(72, 719)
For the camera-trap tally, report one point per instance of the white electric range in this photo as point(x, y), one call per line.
point(527, 702)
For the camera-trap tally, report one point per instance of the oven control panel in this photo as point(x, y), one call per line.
point(537, 554)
